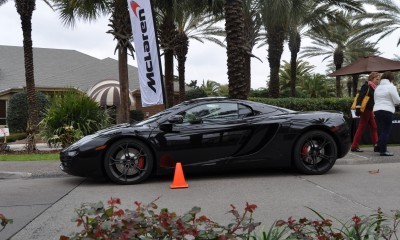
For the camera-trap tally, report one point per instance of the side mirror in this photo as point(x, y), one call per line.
point(166, 127)
point(176, 119)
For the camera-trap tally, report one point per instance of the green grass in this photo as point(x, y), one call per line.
point(30, 157)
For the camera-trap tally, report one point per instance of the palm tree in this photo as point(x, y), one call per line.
point(386, 19)
point(165, 15)
point(211, 88)
point(252, 35)
point(25, 10)
point(121, 30)
point(196, 26)
point(234, 27)
point(303, 70)
point(344, 42)
point(317, 86)
point(279, 16)
point(313, 18)
point(172, 40)
point(234, 12)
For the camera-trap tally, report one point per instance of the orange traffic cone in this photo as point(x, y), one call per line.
point(179, 179)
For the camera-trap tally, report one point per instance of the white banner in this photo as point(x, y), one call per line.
point(147, 56)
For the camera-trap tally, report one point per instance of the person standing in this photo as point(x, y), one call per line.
point(386, 97)
point(366, 117)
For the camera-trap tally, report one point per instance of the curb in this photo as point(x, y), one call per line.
point(14, 175)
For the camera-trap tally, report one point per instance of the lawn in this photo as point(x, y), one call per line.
point(30, 157)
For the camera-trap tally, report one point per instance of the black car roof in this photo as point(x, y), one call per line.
point(205, 99)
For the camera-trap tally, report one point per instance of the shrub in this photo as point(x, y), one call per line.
point(17, 112)
point(143, 222)
point(375, 226)
point(259, 93)
point(14, 137)
point(136, 115)
point(195, 93)
point(71, 116)
point(310, 104)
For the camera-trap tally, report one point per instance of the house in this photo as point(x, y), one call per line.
point(58, 69)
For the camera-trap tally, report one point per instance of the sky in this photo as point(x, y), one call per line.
point(205, 61)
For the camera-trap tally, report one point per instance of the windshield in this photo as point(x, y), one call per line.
point(152, 119)
point(158, 116)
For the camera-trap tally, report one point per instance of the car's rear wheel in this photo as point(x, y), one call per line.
point(315, 152)
point(128, 161)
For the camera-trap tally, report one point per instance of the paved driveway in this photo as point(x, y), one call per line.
point(43, 206)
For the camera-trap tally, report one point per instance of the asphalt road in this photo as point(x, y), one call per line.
point(42, 202)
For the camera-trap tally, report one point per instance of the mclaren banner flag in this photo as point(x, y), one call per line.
point(147, 53)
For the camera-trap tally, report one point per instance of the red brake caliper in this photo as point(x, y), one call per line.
point(140, 162)
point(304, 151)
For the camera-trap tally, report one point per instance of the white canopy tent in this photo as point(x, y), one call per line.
point(106, 93)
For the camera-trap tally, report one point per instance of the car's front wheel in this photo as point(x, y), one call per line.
point(128, 161)
point(315, 152)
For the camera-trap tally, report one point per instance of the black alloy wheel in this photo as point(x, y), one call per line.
point(315, 153)
point(128, 161)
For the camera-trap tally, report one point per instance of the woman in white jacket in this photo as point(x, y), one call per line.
point(386, 97)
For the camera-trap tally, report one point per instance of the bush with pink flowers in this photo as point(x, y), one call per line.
point(147, 221)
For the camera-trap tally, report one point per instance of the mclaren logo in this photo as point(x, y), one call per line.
point(141, 15)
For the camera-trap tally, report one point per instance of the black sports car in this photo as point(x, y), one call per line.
point(211, 133)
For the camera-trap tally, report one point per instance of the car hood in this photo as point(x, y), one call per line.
point(107, 133)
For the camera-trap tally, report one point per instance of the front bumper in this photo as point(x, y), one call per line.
point(82, 164)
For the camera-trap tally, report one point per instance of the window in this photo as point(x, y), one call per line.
point(3, 114)
point(211, 111)
point(245, 111)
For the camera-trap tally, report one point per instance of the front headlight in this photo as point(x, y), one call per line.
point(72, 153)
point(82, 141)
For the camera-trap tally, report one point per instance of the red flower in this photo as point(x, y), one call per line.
point(250, 207)
point(119, 213)
point(138, 204)
point(356, 219)
point(114, 201)
point(291, 220)
point(203, 218)
point(79, 222)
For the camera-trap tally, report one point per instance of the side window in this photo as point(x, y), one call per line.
point(211, 111)
point(228, 111)
point(245, 111)
point(195, 114)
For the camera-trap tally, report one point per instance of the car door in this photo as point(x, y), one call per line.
point(210, 132)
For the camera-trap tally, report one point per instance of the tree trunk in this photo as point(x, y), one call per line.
point(167, 36)
point(181, 70)
point(247, 73)
point(355, 84)
point(25, 9)
point(338, 57)
point(181, 51)
point(169, 76)
point(123, 116)
point(293, 75)
point(123, 33)
point(275, 39)
point(294, 46)
point(234, 27)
